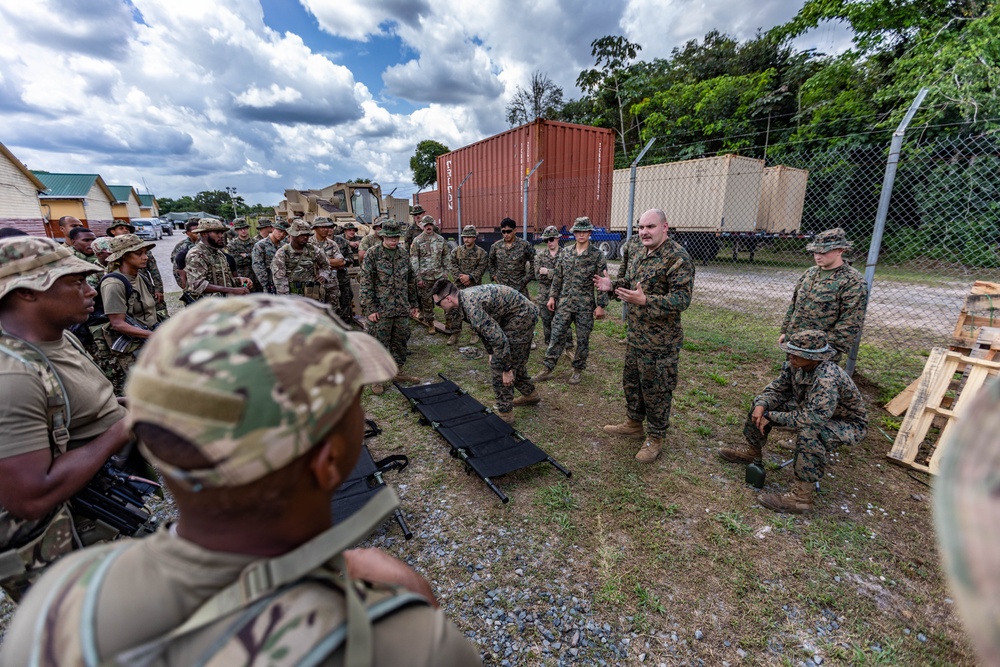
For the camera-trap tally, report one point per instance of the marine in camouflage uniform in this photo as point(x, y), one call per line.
point(831, 296)
point(207, 265)
point(252, 406)
point(389, 294)
point(241, 249)
point(120, 227)
point(512, 260)
point(662, 272)
point(428, 257)
point(372, 238)
point(263, 254)
point(572, 296)
point(505, 321)
point(302, 268)
point(349, 248)
point(545, 271)
point(816, 397)
point(413, 228)
point(467, 260)
point(333, 247)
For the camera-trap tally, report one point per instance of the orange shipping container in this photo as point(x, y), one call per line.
point(573, 180)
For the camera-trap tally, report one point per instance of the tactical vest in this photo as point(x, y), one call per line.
point(267, 591)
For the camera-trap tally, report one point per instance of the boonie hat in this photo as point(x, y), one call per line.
point(264, 223)
point(391, 228)
point(324, 222)
point(809, 344)
point(426, 220)
point(550, 232)
point(121, 223)
point(829, 240)
point(349, 225)
point(210, 225)
point(119, 245)
point(299, 227)
point(469, 230)
point(240, 223)
point(36, 263)
point(416, 210)
point(101, 244)
point(582, 225)
point(281, 224)
point(230, 376)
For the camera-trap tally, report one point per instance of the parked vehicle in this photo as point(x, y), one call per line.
point(166, 226)
point(147, 228)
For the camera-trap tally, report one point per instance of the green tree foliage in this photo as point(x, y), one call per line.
point(612, 85)
point(542, 99)
point(423, 164)
point(185, 204)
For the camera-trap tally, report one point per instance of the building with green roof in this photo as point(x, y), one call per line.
point(83, 196)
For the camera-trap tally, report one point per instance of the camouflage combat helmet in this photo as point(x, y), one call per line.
point(210, 225)
point(469, 230)
point(299, 227)
point(323, 222)
point(35, 263)
point(241, 223)
point(391, 228)
point(349, 225)
point(416, 210)
point(550, 232)
point(426, 220)
point(829, 240)
point(264, 223)
point(231, 377)
point(810, 344)
point(582, 224)
point(119, 245)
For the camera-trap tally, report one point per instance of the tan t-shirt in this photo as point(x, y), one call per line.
point(157, 583)
point(143, 303)
point(24, 425)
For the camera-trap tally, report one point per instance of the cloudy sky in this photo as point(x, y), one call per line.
point(263, 95)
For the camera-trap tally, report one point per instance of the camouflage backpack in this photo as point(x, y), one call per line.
point(276, 613)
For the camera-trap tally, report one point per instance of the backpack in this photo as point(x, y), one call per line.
point(85, 330)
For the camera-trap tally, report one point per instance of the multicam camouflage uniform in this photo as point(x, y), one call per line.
point(823, 404)
point(242, 252)
point(505, 320)
point(154, 275)
point(389, 289)
point(428, 257)
point(513, 266)
point(184, 246)
point(306, 273)
point(333, 250)
point(263, 254)
point(573, 289)
point(206, 266)
point(463, 261)
point(654, 331)
point(830, 301)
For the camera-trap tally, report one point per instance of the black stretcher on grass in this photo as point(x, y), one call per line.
point(365, 480)
point(486, 444)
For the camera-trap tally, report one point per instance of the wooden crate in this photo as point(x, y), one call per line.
point(930, 405)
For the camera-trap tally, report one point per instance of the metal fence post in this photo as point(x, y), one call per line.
point(460, 205)
point(525, 194)
point(631, 188)
point(883, 211)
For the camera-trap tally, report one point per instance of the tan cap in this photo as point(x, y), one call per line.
point(253, 381)
point(36, 263)
point(210, 225)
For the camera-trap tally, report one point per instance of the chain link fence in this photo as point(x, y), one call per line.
point(746, 221)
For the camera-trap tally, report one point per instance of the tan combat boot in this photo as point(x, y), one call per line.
point(474, 339)
point(378, 388)
point(452, 339)
point(743, 453)
point(531, 399)
point(630, 428)
point(546, 374)
point(649, 450)
point(797, 500)
point(508, 417)
point(430, 328)
point(575, 378)
point(403, 377)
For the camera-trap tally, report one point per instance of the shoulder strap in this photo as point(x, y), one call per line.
point(121, 278)
point(57, 409)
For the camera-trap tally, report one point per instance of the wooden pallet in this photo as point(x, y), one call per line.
point(930, 407)
point(981, 309)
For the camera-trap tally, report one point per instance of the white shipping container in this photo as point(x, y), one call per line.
point(397, 209)
point(715, 194)
point(782, 195)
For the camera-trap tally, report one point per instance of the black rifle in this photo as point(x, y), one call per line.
point(117, 498)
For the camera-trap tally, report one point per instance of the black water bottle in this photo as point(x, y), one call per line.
point(755, 474)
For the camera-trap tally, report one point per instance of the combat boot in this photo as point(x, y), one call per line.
point(403, 377)
point(575, 378)
point(630, 428)
point(531, 399)
point(430, 328)
point(744, 453)
point(378, 388)
point(474, 339)
point(650, 450)
point(452, 339)
point(546, 374)
point(508, 417)
point(570, 353)
point(797, 500)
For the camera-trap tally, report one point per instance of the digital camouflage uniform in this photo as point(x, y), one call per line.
point(546, 260)
point(389, 289)
point(263, 254)
point(654, 331)
point(428, 257)
point(370, 240)
point(505, 321)
point(206, 266)
point(824, 405)
point(242, 252)
point(468, 262)
point(833, 303)
point(306, 273)
point(185, 245)
point(513, 266)
point(573, 289)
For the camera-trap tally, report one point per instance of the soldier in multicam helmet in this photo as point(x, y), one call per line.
point(571, 299)
point(819, 400)
point(466, 264)
point(831, 296)
point(511, 260)
point(388, 296)
point(207, 265)
point(546, 259)
point(428, 257)
point(253, 443)
point(263, 254)
point(333, 247)
point(241, 249)
point(59, 418)
point(505, 320)
point(300, 267)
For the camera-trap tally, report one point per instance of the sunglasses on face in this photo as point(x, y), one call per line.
point(506, 231)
